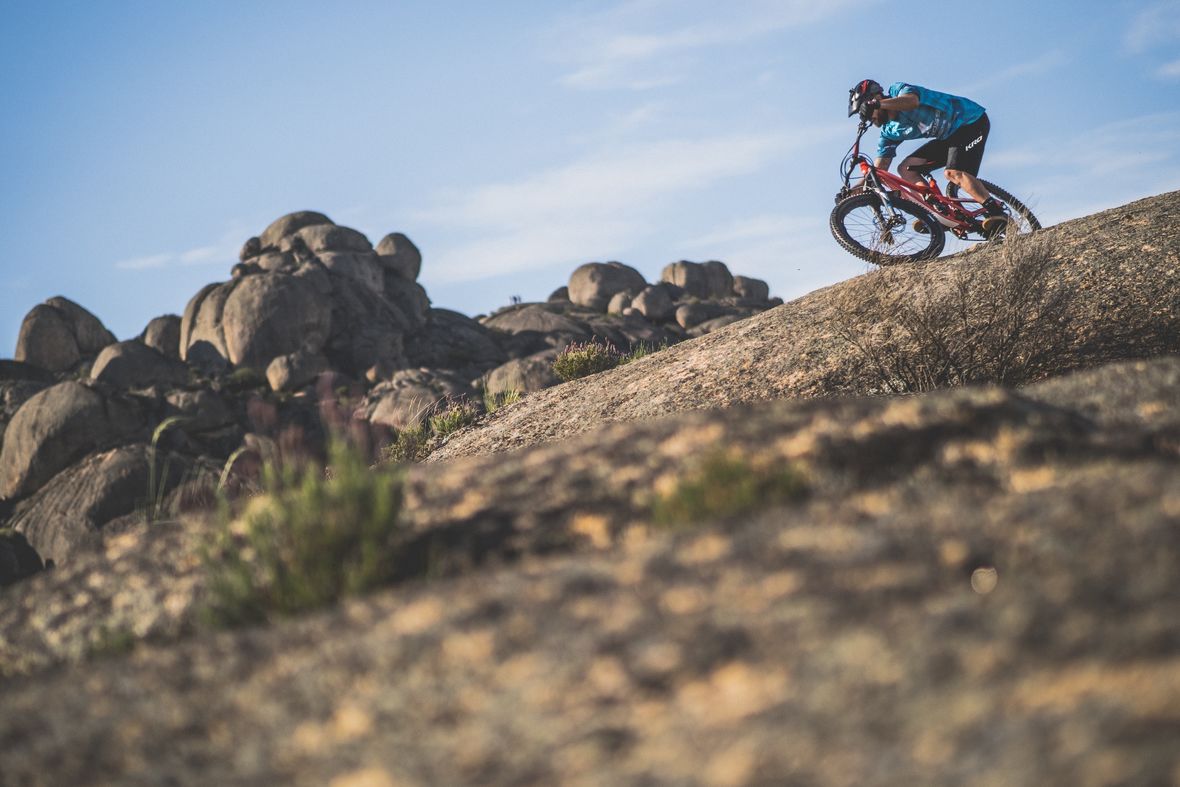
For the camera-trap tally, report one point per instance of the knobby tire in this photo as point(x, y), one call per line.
point(883, 249)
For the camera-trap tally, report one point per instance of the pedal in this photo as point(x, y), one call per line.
point(994, 225)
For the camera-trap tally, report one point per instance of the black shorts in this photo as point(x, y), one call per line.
point(962, 150)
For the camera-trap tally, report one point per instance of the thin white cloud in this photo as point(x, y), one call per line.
point(145, 262)
point(1169, 70)
point(599, 206)
point(643, 44)
point(1157, 24)
point(223, 252)
point(201, 255)
point(1045, 63)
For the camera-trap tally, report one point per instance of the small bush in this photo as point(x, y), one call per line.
point(725, 486)
point(408, 446)
point(582, 360)
point(1003, 319)
point(497, 400)
point(307, 541)
point(642, 349)
point(453, 417)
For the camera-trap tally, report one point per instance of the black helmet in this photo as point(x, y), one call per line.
point(861, 92)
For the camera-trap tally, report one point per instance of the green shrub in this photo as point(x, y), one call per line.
point(581, 360)
point(497, 400)
point(453, 417)
point(642, 349)
point(310, 539)
point(246, 378)
point(409, 445)
point(724, 486)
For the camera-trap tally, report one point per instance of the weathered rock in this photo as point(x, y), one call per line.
point(162, 334)
point(409, 299)
point(275, 261)
point(702, 280)
point(18, 560)
point(13, 394)
point(400, 256)
point(59, 333)
point(289, 225)
point(690, 315)
point(326, 237)
point(270, 315)
point(46, 340)
point(413, 395)
point(11, 371)
point(655, 303)
point(451, 340)
point(251, 248)
point(202, 410)
point(53, 429)
point(364, 268)
point(295, 370)
point(525, 375)
point(132, 364)
point(560, 295)
point(367, 329)
point(200, 327)
point(66, 514)
point(537, 318)
point(708, 326)
point(751, 289)
point(593, 285)
point(618, 302)
point(90, 333)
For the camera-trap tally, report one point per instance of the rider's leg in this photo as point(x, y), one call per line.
point(968, 183)
point(910, 169)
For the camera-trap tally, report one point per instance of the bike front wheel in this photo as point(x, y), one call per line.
point(885, 234)
point(1020, 218)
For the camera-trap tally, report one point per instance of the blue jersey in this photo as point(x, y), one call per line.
point(937, 116)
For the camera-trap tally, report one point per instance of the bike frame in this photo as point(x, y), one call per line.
point(951, 212)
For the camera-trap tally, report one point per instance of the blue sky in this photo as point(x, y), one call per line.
point(143, 142)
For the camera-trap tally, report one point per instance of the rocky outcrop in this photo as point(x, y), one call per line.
point(700, 279)
point(67, 514)
point(55, 428)
point(162, 334)
point(295, 370)
point(400, 256)
point(594, 284)
point(132, 364)
point(58, 334)
point(308, 285)
point(451, 340)
point(413, 395)
point(524, 375)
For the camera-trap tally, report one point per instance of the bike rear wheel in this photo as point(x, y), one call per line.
point(885, 234)
point(1019, 216)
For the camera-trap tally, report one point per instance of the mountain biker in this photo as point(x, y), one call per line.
point(957, 128)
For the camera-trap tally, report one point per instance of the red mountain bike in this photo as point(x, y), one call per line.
point(887, 220)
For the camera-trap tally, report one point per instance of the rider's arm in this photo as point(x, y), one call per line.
point(901, 103)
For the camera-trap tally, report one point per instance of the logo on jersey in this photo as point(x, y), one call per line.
point(975, 142)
